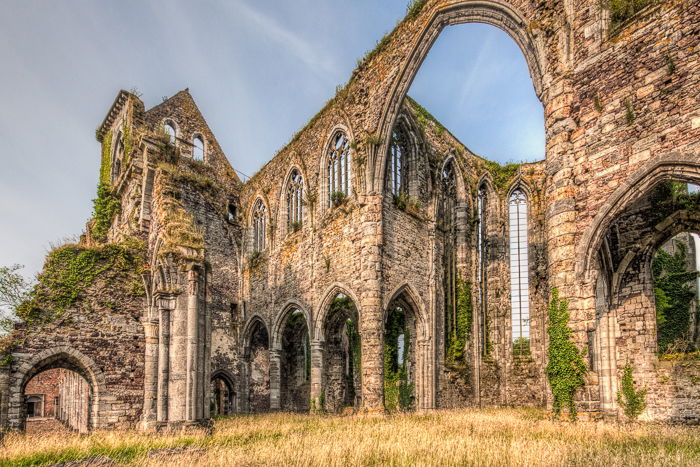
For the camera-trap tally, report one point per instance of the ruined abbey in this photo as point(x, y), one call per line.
point(374, 263)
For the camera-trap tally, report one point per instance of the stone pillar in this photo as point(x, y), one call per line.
point(150, 377)
point(316, 375)
point(191, 392)
point(4, 397)
point(164, 309)
point(275, 379)
point(372, 313)
point(177, 388)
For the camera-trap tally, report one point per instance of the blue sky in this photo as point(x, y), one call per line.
point(258, 69)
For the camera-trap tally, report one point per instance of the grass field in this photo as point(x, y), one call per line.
point(450, 437)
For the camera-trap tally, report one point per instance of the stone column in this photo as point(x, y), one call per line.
point(4, 397)
point(150, 377)
point(165, 304)
point(275, 379)
point(177, 389)
point(316, 375)
point(372, 313)
point(192, 349)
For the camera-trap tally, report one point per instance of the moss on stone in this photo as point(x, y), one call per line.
point(456, 341)
point(105, 207)
point(106, 160)
point(398, 390)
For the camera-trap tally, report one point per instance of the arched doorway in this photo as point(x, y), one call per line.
point(342, 377)
point(258, 362)
point(295, 363)
point(401, 357)
point(222, 396)
point(59, 391)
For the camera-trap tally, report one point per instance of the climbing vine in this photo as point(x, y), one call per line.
point(456, 341)
point(631, 400)
point(71, 270)
point(104, 208)
point(622, 10)
point(674, 297)
point(398, 390)
point(106, 162)
point(566, 369)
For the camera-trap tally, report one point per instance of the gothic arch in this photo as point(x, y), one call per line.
point(673, 166)
point(498, 13)
point(60, 357)
point(409, 295)
point(250, 326)
point(331, 293)
point(278, 326)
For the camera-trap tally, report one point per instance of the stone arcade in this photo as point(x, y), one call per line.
point(376, 263)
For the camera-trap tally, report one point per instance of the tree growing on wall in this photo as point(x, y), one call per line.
point(14, 290)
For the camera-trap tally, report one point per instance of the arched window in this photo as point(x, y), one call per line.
point(481, 206)
point(449, 195)
point(519, 281)
point(339, 183)
point(295, 188)
point(169, 129)
point(399, 160)
point(446, 220)
point(259, 212)
point(198, 148)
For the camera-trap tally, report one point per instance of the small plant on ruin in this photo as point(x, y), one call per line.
point(338, 198)
point(295, 226)
point(566, 369)
point(414, 8)
point(670, 65)
point(622, 10)
point(407, 203)
point(629, 112)
point(373, 139)
point(255, 259)
point(597, 103)
point(631, 400)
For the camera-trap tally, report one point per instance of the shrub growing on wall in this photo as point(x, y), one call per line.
point(398, 390)
point(631, 400)
point(566, 369)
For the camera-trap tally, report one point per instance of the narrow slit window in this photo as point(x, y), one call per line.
point(482, 200)
point(198, 148)
point(519, 267)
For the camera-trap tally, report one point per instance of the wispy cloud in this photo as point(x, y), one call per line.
point(293, 42)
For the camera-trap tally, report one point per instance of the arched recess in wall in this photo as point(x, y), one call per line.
point(405, 357)
point(291, 343)
point(83, 392)
point(256, 391)
point(222, 393)
point(498, 13)
point(625, 276)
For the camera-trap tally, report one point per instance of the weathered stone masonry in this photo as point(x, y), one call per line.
point(271, 309)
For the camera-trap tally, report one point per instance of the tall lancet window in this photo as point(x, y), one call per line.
point(339, 182)
point(259, 213)
point(399, 160)
point(295, 188)
point(447, 221)
point(519, 281)
point(481, 268)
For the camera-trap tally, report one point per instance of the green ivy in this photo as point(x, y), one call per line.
point(456, 341)
point(71, 269)
point(502, 174)
point(104, 208)
point(398, 390)
point(566, 369)
point(674, 297)
point(106, 162)
point(631, 400)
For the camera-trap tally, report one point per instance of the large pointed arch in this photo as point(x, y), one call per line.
point(498, 13)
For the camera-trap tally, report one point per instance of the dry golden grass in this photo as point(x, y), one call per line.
point(454, 437)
